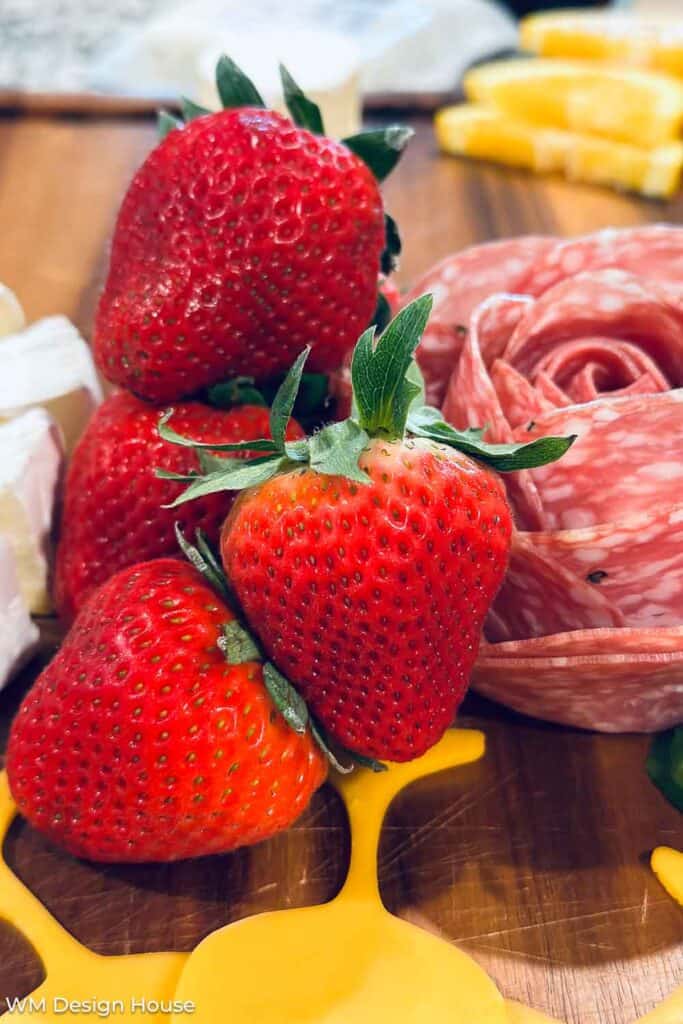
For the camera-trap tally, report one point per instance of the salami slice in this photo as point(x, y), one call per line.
point(636, 563)
point(540, 596)
point(472, 402)
point(627, 455)
point(654, 251)
point(606, 303)
point(612, 680)
point(459, 283)
point(519, 399)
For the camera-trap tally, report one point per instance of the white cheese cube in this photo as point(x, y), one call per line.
point(11, 314)
point(30, 462)
point(18, 634)
point(49, 364)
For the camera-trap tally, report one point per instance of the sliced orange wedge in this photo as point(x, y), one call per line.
point(620, 36)
point(489, 134)
point(640, 107)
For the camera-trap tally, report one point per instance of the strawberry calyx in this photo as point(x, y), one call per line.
point(388, 402)
point(380, 148)
point(239, 647)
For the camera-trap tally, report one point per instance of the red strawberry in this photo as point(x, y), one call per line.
point(366, 559)
point(113, 515)
point(242, 238)
point(371, 599)
point(141, 742)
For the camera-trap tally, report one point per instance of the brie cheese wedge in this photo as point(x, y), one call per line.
point(11, 314)
point(30, 463)
point(49, 365)
point(18, 634)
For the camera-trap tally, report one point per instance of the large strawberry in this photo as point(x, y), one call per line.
point(112, 515)
point(366, 557)
point(242, 238)
point(152, 735)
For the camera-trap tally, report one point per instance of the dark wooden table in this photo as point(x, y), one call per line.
point(535, 859)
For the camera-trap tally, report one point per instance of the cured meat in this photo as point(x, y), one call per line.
point(608, 303)
point(588, 626)
point(540, 596)
point(635, 563)
point(627, 456)
point(613, 680)
point(472, 401)
point(458, 284)
point(653, 252)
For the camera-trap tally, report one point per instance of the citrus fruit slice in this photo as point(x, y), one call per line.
point(640, 107)
point(620, 36)
point(489, 134)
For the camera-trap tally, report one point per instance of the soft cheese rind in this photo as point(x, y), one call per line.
point(18, 634)
point(50, 365)
point(30, 462)
point(11, 314)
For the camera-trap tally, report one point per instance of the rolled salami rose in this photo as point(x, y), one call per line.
point(581, 337)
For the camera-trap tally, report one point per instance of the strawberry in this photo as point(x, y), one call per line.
point(366, 557)
point(112, 514)
point(151, 735)
point(242, 238)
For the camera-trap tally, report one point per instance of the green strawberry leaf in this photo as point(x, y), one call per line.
point(167, 123)
point(234, 87)
point(333, 752)
point(506, 458)
point(665, 765)
point(170, 435)
point(238, 475)
point(238, 645)
point(335, 451)
point(204, 561)
point(289, 703)
point(392, 247)
point(380, 149)
point(191, 110)
point(304, 112)
point(235, 392)
point(383, 391)
point(283, 403)
point(169, 474)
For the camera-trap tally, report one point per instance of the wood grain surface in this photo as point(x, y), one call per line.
point(534, 859)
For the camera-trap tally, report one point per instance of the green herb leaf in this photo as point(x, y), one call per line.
point(283, 403)
point(506, 458)
point(170, 435)
point(167, 123)
point(204, 561)
point(382, 389)
point(392, 246)
point(238, 475)
point(665, 765)
point(289, 703)
point(191, 110)
point(304, 112)
point(234, 87)
point(239, 391)
point(237, 644)
point(381, 149)
point(336, 449)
